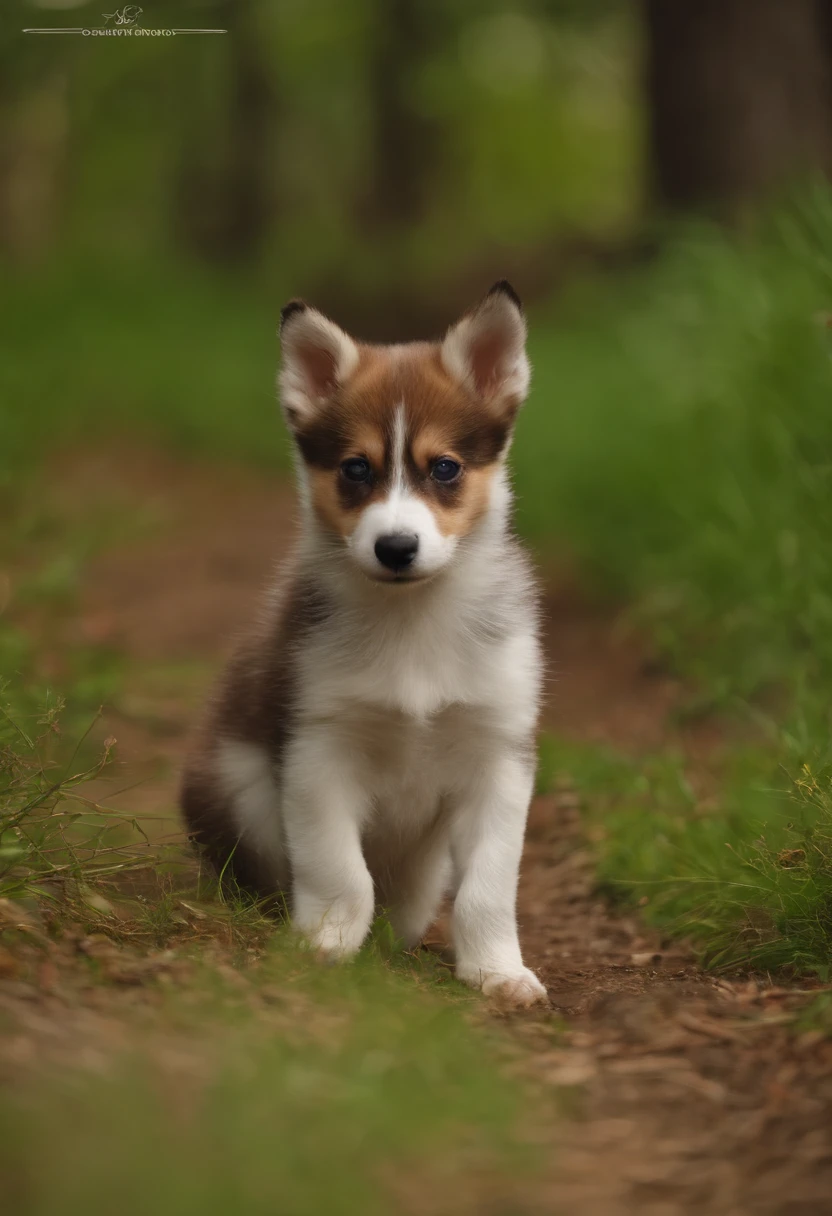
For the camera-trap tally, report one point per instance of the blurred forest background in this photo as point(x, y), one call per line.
point(386, 155)
point(385, 158)
point(344, 147)
point(353, 146)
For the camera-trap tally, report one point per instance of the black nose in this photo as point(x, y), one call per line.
point(397, 550)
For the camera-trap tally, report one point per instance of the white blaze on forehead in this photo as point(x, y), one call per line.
point(397, 481)
point(401, 510)
point(400, 505)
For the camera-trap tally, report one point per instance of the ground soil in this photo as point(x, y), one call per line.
point(693, 1093)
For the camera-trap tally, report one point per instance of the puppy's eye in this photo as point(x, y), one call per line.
point(445, 470)
point(356, 469)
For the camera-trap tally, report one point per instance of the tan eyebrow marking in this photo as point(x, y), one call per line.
point(368, 441)
point(431, 442)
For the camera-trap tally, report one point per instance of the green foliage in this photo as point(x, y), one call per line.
point(54, 841)
point(679, 446)
point(746, 874)
point(156, 351)
point(533, 116)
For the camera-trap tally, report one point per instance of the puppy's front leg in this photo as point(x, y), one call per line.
point(487, 841)
point(323, 810)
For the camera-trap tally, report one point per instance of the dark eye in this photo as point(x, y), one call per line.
point(445, 470)
point(356, 469)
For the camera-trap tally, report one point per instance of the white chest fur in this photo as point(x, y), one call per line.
point(419, 666)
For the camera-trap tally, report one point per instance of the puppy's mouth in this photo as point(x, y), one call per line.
point(398, 578)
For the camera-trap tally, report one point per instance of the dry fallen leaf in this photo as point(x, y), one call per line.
point(636, 1065)
point(646, 958)
point(707, 1027)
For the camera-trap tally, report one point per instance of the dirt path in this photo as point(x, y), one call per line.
point(691, 1093)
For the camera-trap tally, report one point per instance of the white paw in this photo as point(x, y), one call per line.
point(334, 939)
point(337, 942)
point(332, 946)
point(520, 989)
point(335, 929)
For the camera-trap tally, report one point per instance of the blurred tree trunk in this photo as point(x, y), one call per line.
point(405, 143)
point(224, 207)
point(739, 95)
point(248, 184)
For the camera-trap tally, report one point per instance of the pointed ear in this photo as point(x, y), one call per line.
point(316, 357)
point(486, 350)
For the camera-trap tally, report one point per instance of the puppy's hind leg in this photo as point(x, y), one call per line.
point(245, 780)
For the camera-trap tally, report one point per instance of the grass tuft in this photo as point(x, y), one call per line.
point(51, 835)
point(746, 875)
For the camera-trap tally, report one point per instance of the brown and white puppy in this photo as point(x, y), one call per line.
point(372, 741)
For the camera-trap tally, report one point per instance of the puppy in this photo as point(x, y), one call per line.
point(372, 742)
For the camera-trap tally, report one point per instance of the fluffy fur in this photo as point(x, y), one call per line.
point(371, 743)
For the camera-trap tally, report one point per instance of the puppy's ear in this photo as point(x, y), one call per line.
point(316, 357)
point(486, 350)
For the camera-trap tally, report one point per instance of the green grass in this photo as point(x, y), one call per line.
point(258, 1079)
point(143, 350)
point(281, 1087)
point(745, 874)
point(88, 675)
point(678, 446)
point(56, 843)
point(678, 451)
